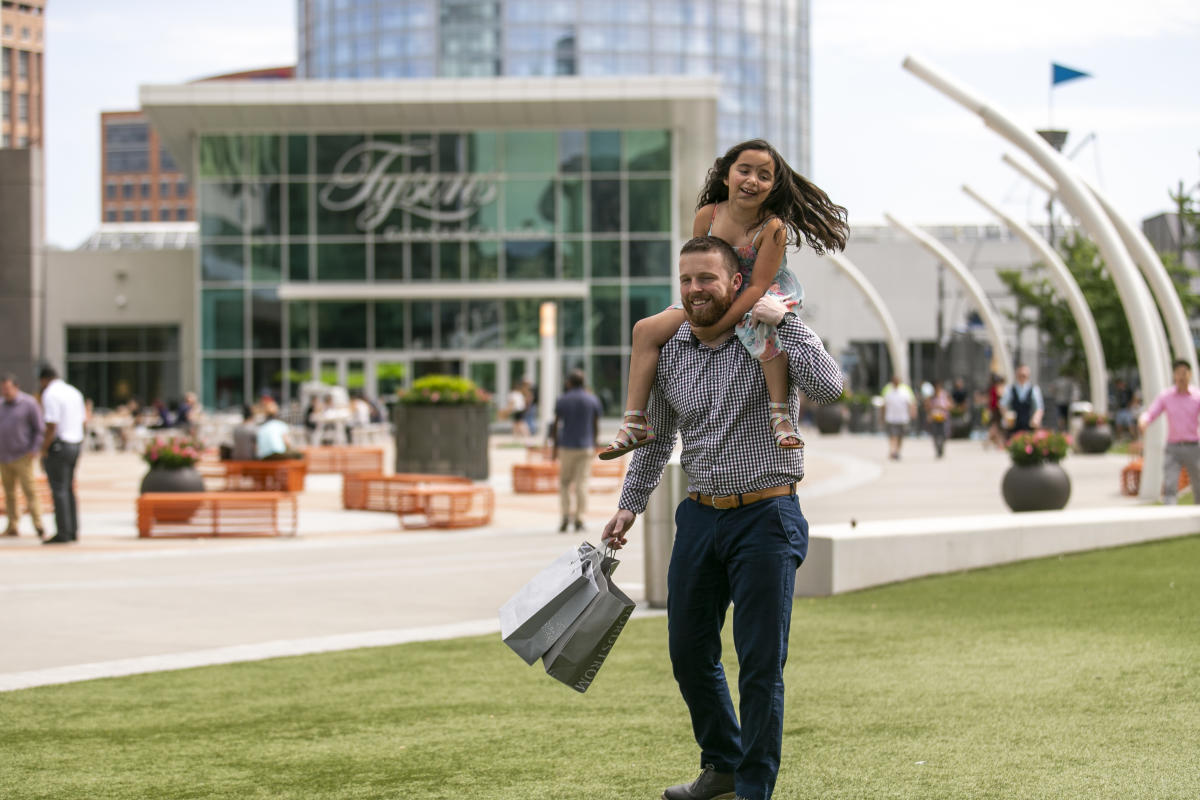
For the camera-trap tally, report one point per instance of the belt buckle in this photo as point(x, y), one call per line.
point(726, 501)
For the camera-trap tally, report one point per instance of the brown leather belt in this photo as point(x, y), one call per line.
point(727, 501)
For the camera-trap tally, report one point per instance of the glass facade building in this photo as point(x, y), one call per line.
point(315, 250)
point(758, 48)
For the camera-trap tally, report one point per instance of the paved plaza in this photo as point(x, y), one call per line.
point(113, 604)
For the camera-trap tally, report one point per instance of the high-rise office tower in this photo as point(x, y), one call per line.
point(22, 33)
point(759, 49)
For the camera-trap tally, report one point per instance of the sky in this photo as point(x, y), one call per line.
point(883, 140)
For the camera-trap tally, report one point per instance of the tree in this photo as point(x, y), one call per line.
point(1054, 318)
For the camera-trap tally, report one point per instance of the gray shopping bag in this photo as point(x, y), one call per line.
point(578, 654)
point(533, 618)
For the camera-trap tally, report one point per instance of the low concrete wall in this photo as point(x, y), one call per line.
point(842, 558)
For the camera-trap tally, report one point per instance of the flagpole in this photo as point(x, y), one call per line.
point(1050, 100)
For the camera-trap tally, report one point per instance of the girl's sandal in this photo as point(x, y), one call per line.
point(626, 440)
point(780, 415)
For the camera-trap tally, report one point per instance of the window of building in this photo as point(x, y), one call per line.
point(23, 107)
point(145, 189)
point(181, 188)
point(5, 105)
point(110, 215)
point(164, 215)
point(25, 34)
point(127, 215)
point(22, 141)
point(145, 215)
point(110, 191)
point(126, 147)
point(165, 162)
point(181, 214)
point(5, 141)
point(22, 65)
point(115, 364)
point(4, 68)
point(127, 190)
point(164, 189)
point(8, 30)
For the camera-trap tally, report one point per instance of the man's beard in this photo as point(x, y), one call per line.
point(709, 313)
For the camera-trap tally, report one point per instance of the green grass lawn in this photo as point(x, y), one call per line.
point(1075, 677)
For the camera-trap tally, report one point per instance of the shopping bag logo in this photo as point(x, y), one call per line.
point(589, 674)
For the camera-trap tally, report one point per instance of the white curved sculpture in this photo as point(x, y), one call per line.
point(1067, 288)
point(1178, 327)
point(1135, 297)
point(982, 304)
point(896, 348)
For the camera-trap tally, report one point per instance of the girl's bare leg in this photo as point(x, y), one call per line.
point(649, 335)
point(775, 372)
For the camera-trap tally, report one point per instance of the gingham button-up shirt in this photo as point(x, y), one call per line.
point(716, 398)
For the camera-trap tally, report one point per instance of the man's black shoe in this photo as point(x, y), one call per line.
point(563, 528)
point(711, 785)
point(57, 540)
point(578, 525)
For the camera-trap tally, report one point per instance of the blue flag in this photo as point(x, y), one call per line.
point(1060, 74)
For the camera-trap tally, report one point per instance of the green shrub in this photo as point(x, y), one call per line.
point(444, 390)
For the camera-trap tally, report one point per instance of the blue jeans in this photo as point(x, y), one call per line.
point(59, 466)
point(748, 556)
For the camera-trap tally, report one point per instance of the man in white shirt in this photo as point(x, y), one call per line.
point(899, 407)
point(64, 411)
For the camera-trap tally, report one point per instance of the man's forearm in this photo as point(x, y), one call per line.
point(51, 430)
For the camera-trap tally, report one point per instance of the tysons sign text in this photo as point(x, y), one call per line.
point(361, 178)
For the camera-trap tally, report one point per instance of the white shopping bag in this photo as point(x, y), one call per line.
point(533, 619)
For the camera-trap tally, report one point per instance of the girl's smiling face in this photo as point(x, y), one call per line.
point(750, 178)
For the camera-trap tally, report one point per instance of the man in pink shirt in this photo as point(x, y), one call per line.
point(1181, 403)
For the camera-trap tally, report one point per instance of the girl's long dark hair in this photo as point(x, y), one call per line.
point(804, 209)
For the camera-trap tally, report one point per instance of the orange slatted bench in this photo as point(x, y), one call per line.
point(446, 506)
point(1131, 478)
point(376, 492)
point(539, 475)
point(196, 514)
point(344, 459)
point(282, 475)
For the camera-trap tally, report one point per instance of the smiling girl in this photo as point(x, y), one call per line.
point(758, 204)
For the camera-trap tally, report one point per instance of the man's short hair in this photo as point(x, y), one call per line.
point(1180, 362)
point(47, 373)
point(712, 244)
point(576, 379)
point(8, 377)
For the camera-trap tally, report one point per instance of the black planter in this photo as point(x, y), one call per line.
point(1094, 439)
point(1041, 487)
point(862, 418)
point(442, 440)
point(960, 427)
point(829, 418)
point(183, 479)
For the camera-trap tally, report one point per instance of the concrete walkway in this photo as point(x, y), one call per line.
point(113, 604)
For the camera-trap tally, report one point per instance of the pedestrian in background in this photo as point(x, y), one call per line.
point(1181, 402)
point(21, 432)
point(1022, 403)
point(573, 437)
point(995, 413)
point(64, 413)
point(245, 437)
point(937, 412)
point(899, 407)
